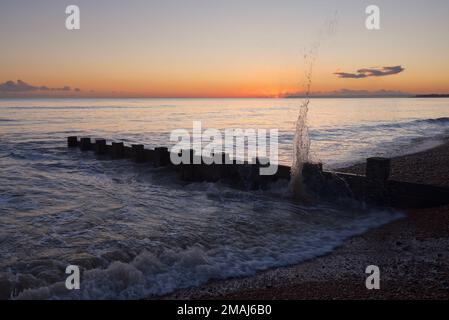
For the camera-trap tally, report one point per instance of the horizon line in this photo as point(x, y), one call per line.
point(255, 97)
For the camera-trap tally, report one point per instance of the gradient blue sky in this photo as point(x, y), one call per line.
point(221, 48)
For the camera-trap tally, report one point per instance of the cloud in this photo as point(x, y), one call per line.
point(23, 87)
point(20, 86)
point(371, 72)
point(349, 93)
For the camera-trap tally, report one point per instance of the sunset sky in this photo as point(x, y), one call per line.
point(220, 48)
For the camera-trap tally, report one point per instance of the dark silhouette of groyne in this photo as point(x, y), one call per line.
point(374, 188)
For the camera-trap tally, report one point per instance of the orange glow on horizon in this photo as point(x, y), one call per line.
point(256, 81)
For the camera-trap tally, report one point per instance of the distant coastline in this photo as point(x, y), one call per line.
point(432, 96)
point(366, 96)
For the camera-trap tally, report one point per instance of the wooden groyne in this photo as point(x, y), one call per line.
point(375, 187)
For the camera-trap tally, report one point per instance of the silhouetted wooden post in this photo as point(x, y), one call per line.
point(256, 179)
point(225, 165)
point(254, 174)
point(137, 152)
point(161, 156)
point(310, 168)
point(187, 169)
point(72, 141)
point(312, 173)
point(100, 146)
point(378, 169)
point(85, 144)
point(117, 150)
point(377, 174)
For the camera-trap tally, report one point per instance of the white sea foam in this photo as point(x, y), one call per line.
point(150, 274)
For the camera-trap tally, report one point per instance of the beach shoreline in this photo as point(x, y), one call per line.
point(410, 253)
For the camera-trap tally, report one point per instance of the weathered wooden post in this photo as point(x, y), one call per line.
point(100, 146)
point(226, 165)
point(312, 175)
point(72, 141)
point(310, 168)
point(209, 170)
point(149, 155)
point(313, 182)
point(137, 153)
point(283, 172)
point(378, 169)
point(230, 169)
point(161, 156)
point(256, 178)
point(117, 150)
point(85, 144)
point(377, 174)
point(187, 169)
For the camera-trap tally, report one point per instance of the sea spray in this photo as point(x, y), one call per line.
point(301, 140)
point(301, 146)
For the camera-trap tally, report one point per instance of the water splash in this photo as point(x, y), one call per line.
point(301, 140)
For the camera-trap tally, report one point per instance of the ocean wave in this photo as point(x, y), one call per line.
point(442, 120)
point(150, 274)
point(392, 125)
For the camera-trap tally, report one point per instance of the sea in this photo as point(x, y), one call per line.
point(136, 231)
